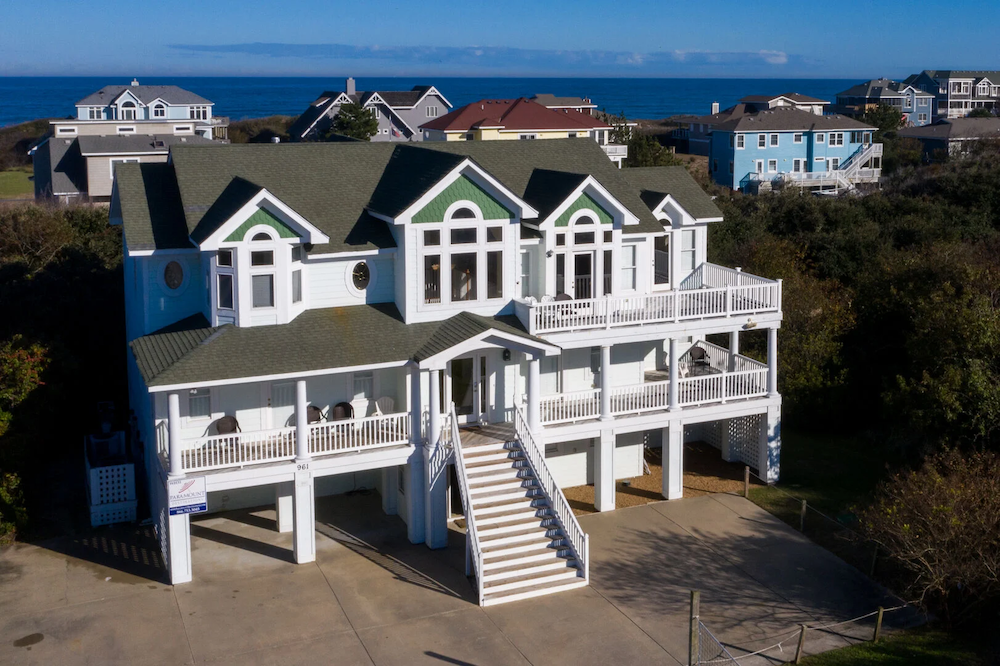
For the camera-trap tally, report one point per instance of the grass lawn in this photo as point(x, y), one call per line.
point(16, 184)
point(911, 648)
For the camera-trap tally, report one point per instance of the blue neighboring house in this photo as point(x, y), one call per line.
point(917, 106)
point(789, 147)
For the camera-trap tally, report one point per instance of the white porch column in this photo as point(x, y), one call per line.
point(174, 434)
point(769, 453)
point(304, 507)
point(179, 548)
point(734, 349)
point(284, 505)
point(434, 408)
point(604, 472)
point(416, 407)
point(390, 494)
point(413, 495)
point(435, 469)
point(301, 422)
point(673, 460)
point(534, 395)
point(772, 363)
point(674, 370)
point(606, 387)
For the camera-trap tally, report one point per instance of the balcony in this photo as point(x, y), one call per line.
point(240, 449)
point(711, 291)
point(615, 151)
point(720, 378)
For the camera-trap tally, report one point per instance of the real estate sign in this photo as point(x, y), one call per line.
point(187, 495)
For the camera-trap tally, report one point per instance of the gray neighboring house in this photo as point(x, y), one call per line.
point(77, 157)
point(917, 106)
point(951, 137)
point(399, 112)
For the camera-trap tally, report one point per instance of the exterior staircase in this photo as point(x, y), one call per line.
point(517, 545)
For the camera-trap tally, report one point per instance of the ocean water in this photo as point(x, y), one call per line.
point(27, 98)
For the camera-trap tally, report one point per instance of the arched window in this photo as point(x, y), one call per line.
point(159, 111)
point(128, 111)
point(262, 236)
point(585, 219)
point(463, 214)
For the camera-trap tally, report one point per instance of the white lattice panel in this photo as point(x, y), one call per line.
point(109, 514)
point(744, 439)
point(112, 484)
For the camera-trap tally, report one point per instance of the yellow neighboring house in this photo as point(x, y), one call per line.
point(521, 118)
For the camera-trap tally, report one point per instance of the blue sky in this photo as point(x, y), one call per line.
point(776, 38)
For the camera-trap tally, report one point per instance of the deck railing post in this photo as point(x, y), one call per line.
point(174, 434)
point(301, 421)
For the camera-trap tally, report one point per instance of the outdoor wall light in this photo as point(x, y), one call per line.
point(750, 324)
point(549, 254)
point(506, 354)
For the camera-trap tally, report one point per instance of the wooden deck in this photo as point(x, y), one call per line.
point(487, 434)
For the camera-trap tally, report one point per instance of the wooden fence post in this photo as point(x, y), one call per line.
point(802, 642)
point(878, 624)
point(802, 517)
point(746, 481)
point(693, 646)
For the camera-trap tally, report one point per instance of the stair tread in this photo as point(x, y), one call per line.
point(520, 582)
point(531, 568)
point(518, 493)
point(506, 515)
point(498, 555)
point(532, 591)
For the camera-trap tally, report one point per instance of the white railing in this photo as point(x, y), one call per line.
point(162, 442)
point(720, 358)
point(749, 295)
point(640, 398)
point(355, 434)
point(473, 553)
point(263, 446)
point(615, 150)
point(579, 541)
point(721, 387)
point(239, 448)
point(566, 407)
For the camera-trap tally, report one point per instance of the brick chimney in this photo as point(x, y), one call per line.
point(349, 86)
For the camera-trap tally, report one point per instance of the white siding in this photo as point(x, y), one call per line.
point(331, 285)
point(166, 306)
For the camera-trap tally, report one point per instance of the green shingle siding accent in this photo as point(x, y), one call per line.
point(462, 189)
point(262, 216)
point(584, 201)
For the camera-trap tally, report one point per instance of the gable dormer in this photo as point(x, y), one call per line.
point(254, 246)
point(459, 230)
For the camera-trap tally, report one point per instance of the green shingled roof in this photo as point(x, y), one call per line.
point(191, 353)
point(333, 184)
point(655, 183)
point(151, 207)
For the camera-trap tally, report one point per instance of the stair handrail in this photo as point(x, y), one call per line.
point(579, 541)
point(473, 553)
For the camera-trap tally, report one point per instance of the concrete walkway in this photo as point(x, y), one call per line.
point(374, 598)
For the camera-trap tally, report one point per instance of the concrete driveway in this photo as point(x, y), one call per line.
point(374, 598)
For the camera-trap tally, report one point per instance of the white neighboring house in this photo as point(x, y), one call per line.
point(356, 307)
point(76, 159)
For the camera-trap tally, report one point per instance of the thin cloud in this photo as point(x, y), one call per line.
point(491, 59)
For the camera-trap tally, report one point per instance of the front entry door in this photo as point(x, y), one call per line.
point(470, 389)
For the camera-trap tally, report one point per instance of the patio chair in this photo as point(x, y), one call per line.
point(384, 405)
point(699, 356)
point(315, 414)
point(342, 411)
point(227, 425)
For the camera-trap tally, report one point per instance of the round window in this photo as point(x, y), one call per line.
point(361, 275)
point(173, 275)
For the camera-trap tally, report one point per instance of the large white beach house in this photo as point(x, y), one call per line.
point(493, 319)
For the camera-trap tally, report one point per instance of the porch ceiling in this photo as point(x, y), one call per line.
point(191, 354)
